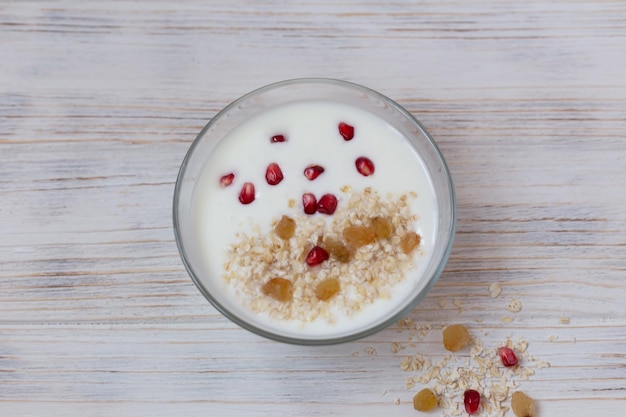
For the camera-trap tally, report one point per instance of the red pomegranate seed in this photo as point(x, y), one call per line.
point(278, 138)
point(246, 195)
point(227, 179)
point(508, 356)
point(273, 174)
point(471, 399)
point(327, 204)
point(316, 256)
point(346, 131)
point(364, 165)
point(309, 202)
point(313, 171)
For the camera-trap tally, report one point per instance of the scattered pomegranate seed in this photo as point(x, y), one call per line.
point(508, 356)
point(327, 204)
point(246, 195)
point(278, 138)
point(346, 131)
point(309, 202)
point(316, 256)
point(273, 174)
point(313, 171)
point(364, 165)
point(227, 179)
point(471, 400)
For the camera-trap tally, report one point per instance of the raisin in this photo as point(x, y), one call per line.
point(285, 228)
point(337, 250)
point(280, 289)
point(409, 242)
point(327, 289)
point(455, 337)
point(522, 405)
point(357, 236)
point(425, 400)
point(382, 227)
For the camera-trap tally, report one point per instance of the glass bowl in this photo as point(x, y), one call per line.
point(191, 199)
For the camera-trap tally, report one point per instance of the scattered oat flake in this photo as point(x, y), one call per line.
point(406, 322)
point(515, 305)
point(397, 401)
point(442, 303)
point(370, 351)
point(506, 319)
point(521, 346)
point(495, 290)
point(450, 376)
point(564, 320)
point(458, 302)
point(397, 347)
point(355, 354)
point(553, 338)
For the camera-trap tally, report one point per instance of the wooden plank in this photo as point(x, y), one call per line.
point(99, 102)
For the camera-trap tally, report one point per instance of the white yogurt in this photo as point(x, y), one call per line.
point(312, 138)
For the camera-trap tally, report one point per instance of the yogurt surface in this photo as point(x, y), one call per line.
point(312, 137)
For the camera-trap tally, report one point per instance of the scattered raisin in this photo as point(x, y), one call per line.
point(357, 236)
point(409, 242)
point(327, 288)
point(280, 289)
point(382, 227)
point(425, 400)
point(522, 405)
point(337, 250)
point(455, 337)
point(285, 228)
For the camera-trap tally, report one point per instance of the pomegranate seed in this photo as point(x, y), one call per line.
point(327, 204)
point(246, 195)
point(471, 400)
point(364, 165)
point(508, 356)
point(227, 179)
point(273, 174)
point(309, 202)
point(313, 171)
point(316, 256)
point(346, 131)
point(278, 138)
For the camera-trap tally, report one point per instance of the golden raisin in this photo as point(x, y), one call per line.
point(357, 236)
point(327, 288)
point(455, 337)
point(425, 400)
point(280, 289)
point(409, 242)
point(522, 405)
point(382, 227)
point(285, 228)
point(337, 250)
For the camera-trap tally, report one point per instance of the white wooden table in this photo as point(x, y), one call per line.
point(99, 102)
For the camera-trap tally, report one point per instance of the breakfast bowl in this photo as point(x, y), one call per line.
point(314, 211)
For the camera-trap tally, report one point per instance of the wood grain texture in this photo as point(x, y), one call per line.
point(99, 102)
